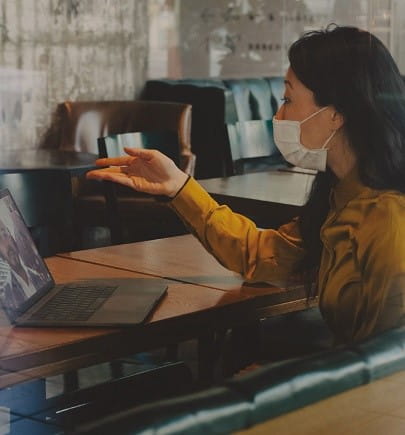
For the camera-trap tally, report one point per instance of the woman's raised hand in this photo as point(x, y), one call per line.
point(147, 171)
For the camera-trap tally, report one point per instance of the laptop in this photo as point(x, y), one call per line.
point(30, 297)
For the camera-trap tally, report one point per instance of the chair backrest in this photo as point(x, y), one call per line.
point(213, 107)
point(218, 104)
point(112, 146)
point(252, 98)
point(251, 139)
point(277, 91)
point(164, 141)
point(44, 198)
point(77, 125)
point(252, 146)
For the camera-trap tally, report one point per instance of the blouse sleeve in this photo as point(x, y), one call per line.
point(235, 241)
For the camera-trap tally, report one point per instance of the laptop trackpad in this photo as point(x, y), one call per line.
point(132, 301)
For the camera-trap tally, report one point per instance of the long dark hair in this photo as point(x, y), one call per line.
point(353, 71)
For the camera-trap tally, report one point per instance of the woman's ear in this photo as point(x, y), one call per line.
point(337, 119)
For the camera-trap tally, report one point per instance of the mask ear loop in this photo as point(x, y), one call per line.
point(329, 139)
point(313, 114)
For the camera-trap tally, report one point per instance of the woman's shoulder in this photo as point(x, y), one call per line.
point(389, 203)
point(376, 201)
point(379, 204)
point(380, 232)
point(382, 211)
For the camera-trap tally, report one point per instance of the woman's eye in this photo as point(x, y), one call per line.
point(285, 100)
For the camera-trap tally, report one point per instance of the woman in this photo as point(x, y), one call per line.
point(343, 115)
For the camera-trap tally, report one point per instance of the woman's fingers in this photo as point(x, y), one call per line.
point(142, 170)
point(104, 174)
point(115, 161)
point(140, 152)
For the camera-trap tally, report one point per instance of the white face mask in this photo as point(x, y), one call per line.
point(287, 136)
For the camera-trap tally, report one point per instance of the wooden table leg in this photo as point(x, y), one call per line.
point(172, 352)
point(243, 348)
point(206, 357)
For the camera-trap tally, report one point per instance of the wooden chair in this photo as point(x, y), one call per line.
point(78, 125)
point(44, 198)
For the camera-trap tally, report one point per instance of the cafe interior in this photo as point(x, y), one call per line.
point(188, 347)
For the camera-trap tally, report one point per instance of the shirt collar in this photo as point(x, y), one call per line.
point(347, 189)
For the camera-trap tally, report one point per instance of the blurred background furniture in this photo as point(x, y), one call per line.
point(219, 108)
point(252, 147)
point(78, 125)
point(213, 107)
point(269, 198)
point(76, 162)
point(44, 198)
point(47, 203)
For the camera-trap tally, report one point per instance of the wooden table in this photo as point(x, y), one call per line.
point(12, 161)
point(44, 184)
point(188, 311)
point(28, 353)
point(268, 198)
point(184, 259)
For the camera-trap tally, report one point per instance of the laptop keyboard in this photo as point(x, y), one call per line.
point(74, 302)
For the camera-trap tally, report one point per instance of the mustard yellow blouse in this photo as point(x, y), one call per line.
point(362, 270)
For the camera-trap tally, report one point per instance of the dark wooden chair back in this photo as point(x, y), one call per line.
point(76, 125)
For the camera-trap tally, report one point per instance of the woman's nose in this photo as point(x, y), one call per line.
point(280, 113)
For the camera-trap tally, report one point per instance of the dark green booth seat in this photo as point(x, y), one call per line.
point(265, 393)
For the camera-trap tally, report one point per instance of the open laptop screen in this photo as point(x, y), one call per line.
point(24, 277)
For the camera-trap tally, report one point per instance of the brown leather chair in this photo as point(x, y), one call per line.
point(78, 125)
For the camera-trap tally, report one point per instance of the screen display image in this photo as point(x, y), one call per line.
point(22, 271)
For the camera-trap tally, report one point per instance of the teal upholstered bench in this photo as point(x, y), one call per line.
point(264, 393)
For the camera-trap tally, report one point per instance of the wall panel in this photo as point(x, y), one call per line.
point(56, 50)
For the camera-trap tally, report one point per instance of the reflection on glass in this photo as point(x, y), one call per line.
point(247, 38)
